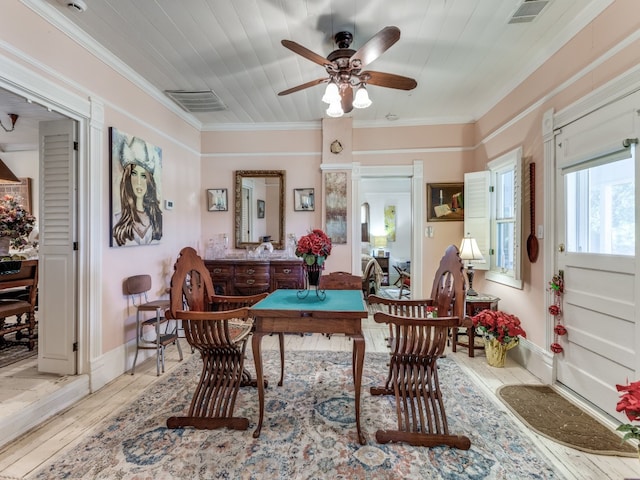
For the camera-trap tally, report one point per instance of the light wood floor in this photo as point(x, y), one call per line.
point(19, 460)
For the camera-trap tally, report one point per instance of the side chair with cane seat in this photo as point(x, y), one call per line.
point(218, 327)
point(417, 341)
point(137, 288)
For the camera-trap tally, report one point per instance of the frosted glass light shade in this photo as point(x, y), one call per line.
point(362, 99)
point(335, 109)
point(331, 94)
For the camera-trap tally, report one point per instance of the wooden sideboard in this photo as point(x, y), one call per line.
point(248, 277)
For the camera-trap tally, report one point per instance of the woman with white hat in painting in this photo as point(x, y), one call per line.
point(140, 219)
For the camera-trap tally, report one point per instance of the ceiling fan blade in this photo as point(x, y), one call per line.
point(347, 99)
point(305, 52)
point(390, 80)
point(377, 45)
point(312, 83)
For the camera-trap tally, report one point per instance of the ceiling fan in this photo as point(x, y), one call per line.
point(344, 67)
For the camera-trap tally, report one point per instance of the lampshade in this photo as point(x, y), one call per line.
point(380, 241)
point(469, 250)
point(362, 99)
point(6, 175)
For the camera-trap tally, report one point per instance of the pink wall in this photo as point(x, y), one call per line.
point(583, 52)
point(130, 110)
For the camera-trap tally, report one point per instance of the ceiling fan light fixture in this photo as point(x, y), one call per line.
point(362, 99)
point(331, 94)
point(335, 109)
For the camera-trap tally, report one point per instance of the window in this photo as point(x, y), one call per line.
point(493, 206)
point(600, 200)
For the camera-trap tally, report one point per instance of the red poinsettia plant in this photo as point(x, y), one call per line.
point(314, 247)
point(629, 403)
point(498, 325)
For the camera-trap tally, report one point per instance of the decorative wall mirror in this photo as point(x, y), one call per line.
point(251, 228)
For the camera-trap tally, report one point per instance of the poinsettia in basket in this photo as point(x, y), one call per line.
point(629, 403)
point(501, 332)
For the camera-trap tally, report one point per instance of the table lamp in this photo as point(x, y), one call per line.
point(470, 252)
point(380, 242)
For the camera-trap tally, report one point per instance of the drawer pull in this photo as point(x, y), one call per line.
point(251, 281)
point(217, 270)
point(287, 270)
point(250, 271)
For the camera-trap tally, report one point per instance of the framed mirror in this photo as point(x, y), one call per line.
point(259, 207)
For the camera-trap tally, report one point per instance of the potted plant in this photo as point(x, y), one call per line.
point(501, 332)
point(314, 248)
point(629, 403)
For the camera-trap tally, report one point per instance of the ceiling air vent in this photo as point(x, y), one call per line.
point(528, 11)
point(198, 101)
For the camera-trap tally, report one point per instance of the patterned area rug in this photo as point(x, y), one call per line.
point(548, 413)
point(309, 432)
point(11, 352)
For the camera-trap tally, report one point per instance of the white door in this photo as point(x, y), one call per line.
point(57, 319)
point(595, 252)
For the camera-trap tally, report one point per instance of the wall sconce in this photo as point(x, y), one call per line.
point(14, 118)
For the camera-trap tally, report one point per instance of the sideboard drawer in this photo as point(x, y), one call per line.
point(220, 270)
point(252, 270)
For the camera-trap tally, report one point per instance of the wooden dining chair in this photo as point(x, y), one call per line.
point(416, 343)
point(19, 279)
point(340, 281)
point(218, 327)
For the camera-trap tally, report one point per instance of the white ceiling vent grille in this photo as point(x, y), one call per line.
point(197, 101)
point(528, 11)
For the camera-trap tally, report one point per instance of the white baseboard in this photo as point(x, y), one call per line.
point(536, 360)
point(23, 420)
point(116, 362)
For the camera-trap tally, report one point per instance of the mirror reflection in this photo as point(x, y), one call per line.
point(259, 207)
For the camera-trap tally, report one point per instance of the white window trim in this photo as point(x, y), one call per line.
point(480, 221)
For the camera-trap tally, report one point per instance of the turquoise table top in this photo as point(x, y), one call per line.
point(335, 301)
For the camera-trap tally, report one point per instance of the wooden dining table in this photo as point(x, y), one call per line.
point(283, 311)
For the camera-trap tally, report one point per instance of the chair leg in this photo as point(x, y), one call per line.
point(422, 420)
point(213, 401)
point(138, 335)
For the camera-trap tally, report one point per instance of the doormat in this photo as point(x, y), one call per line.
point(548, 413)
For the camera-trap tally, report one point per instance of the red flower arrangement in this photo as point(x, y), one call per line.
point(314, 247)
point(15, 221)
point(498, 325)
point(629, 403)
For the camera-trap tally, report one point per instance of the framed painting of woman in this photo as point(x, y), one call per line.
point(136, 172)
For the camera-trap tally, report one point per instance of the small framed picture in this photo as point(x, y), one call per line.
point(260, 208)
point(445, 202)
point(217, 200)
point(303, 200)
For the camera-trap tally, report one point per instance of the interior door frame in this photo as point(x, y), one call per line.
point(416, 173)
point(619, 88)
point(88, 112)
